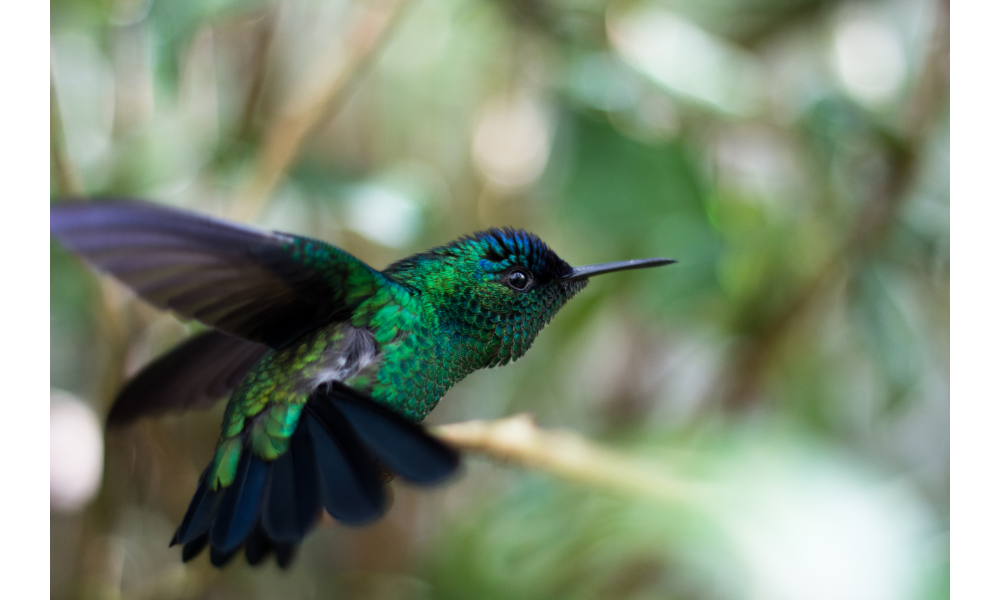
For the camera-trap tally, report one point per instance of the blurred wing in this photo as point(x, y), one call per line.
point(195, 374)
point(261, 286)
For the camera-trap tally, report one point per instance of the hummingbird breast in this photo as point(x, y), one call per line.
point(353, 350)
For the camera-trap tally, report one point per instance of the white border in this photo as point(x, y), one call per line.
point(24, 355)
point(975, 315)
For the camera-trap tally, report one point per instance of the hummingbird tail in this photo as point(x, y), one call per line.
point(341, 452)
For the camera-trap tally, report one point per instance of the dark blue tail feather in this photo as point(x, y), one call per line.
point(292, 503)
point(259, 546)
point(241, 504)
point(194, 547)
point(219, 558)
point(403, 447)
point(200, 513)
point(337, 459)
point(284, 553)
point(348, 475)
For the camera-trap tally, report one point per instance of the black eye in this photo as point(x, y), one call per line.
point(518, 279)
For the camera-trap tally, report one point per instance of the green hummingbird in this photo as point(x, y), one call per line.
point(329, 364)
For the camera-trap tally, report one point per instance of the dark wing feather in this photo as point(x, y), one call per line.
point(195, 374)
point(404, 448)
point(262, 286)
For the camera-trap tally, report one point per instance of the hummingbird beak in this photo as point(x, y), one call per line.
point(611, 267)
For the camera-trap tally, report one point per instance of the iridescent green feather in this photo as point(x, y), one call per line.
point(434, 318)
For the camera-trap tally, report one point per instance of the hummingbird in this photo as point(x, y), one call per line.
point(329, 365)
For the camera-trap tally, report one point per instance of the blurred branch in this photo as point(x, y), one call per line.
point(263, 33)
point(262, 50)
point(928, 99)
point(873, 221)
point(67, 178)
point(318, 95)
point(761, 23)
point(518, 440)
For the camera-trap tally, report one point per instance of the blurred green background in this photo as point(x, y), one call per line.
point(793, 155)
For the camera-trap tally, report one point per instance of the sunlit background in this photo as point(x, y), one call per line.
point(793, 155)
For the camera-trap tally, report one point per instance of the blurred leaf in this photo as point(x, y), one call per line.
point(71, 305)
point(886, 332)
point(174, 23)
point(550, 540)
point(627, 199)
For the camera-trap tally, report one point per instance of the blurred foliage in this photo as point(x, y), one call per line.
point(803, 189)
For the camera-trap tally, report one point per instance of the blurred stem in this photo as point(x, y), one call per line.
point(873, 221)
point(262, 50)
point(317, 95)
point(67, 179)
point(245, 132)
point(518, 440)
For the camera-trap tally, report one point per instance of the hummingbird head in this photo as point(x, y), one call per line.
point(497, 288)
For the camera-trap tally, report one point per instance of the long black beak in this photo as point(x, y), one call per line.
point(611, 267)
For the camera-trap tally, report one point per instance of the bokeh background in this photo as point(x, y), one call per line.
point(793, 155)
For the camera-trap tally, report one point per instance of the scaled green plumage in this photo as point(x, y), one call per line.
point(435, 318)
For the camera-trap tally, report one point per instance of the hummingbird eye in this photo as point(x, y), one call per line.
point(518, 279)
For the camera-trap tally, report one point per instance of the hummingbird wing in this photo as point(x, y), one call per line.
point(262, 286)
point(341, 445)
point(197, 373)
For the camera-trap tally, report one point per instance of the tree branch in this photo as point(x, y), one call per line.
point(518, 440)
point(67, 179)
